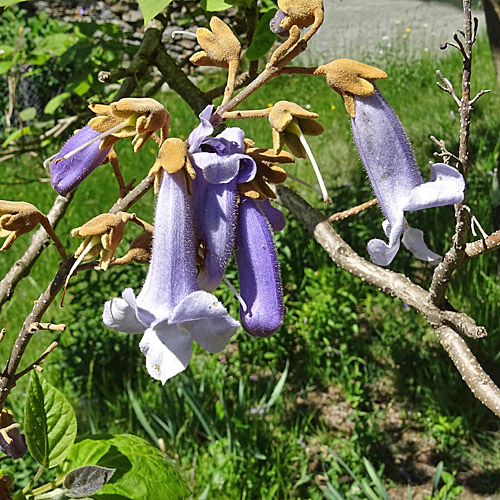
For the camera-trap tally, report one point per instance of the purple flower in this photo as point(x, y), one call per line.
point(220, 164)
point(275, 22)
point(15, 447)
point(260, 283)
point(66, 175)
point(171, 310)
point(389, 162)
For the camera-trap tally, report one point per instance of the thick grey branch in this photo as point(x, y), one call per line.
point(446, 322)
point(475, 377)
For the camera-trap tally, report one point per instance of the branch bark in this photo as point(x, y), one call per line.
point(448, 324)
point(39, 242)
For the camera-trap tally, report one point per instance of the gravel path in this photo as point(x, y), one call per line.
point(384, 27)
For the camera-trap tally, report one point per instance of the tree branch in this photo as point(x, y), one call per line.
point(39, 242)
point(447, 323)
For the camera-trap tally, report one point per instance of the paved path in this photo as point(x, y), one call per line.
point(407, 27)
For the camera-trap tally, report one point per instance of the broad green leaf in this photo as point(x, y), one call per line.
point(7, 3)
point(151, 8)
point(57, 494)
point(28, 114)
point(141, 470)
point(81, 88)
point(19, 495)
point(15, 135)
point(263, 38)
point(50, 423)
point(5, 66)
point(215, 5)
point(55, 44)
point(86, 480)
point(55, 102)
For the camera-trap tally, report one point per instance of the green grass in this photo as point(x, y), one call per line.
point(351, 370)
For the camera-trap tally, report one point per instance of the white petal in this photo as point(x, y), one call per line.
point(445, 187)
point(120, 314)
point(381, 253)
point(413, 240)
point(207, 319)
point(167, 349)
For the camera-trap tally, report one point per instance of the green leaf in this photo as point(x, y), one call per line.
point(215, 5)
point(16, 135)
point(263, 38)
point(151, 8)
point(7, 3)
point(55, 44)
point(50, 423)
point(87, 480)
point(55, 102)
point(28, 114)
point(5, 66)
point(141, 470)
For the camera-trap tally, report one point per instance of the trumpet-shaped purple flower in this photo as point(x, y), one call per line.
point(66, 175)
point(260, 283)
point(275, 22)
point(389, 162)
point(170, 310)
point(220, 164)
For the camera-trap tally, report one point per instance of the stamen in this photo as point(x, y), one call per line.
point(116, 128)
point(475, 223)
point(47, 162)
point(238, 296)
point(91, 244)
point(324, 192)
point(304, 183)
point(181, 32)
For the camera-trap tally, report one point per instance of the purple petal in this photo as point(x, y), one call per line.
point(413, 240)
point(17, 448)
point(215, 216)
point(202, 131)
point(222, 169)
point(67, 175)
point(172, 273)
point(275, 22)
point(207, 320)
point(260, 284)
point(445, 187)
point(386, 154)
point(274, 216)
point(167, 349)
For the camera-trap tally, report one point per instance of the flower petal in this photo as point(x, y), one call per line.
point(445, 187)
point(167, 349)
point(120, 313)
point(215, 217)
point(203, 130)
point(413, 240)
point(386, 154)
point(260, 283)
point(66, 175)
point(222, 169)
point(381, 253)
point(274, 216)
point(207, 319)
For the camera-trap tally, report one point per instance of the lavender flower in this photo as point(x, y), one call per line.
point(396, 181)
point(170, 309)
point(260, 283)
point(275, 24)
point(220, 164)
point(67, 174)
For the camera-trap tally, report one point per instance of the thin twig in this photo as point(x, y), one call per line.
point(352, 211)
point(456, 255)
point(484, 245)
point(38, 362)
point(479, 94)
point(447, 87)
point(445, 154)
